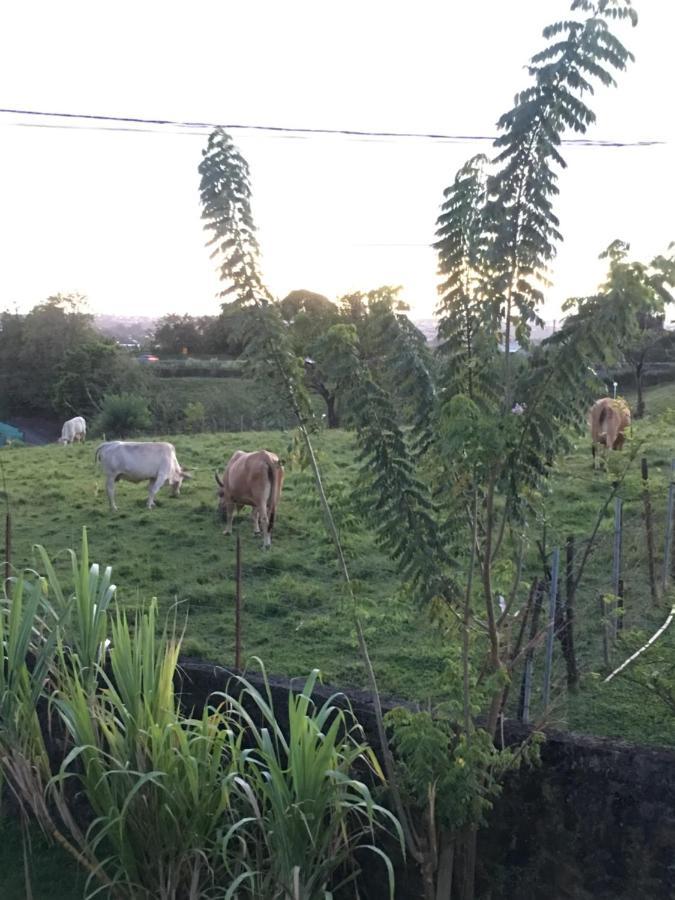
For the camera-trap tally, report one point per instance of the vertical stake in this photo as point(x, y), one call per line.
point(237, 609)
point(649, 527)
point(570, 597)
point(526, 685)
point(605, 637)
point(8, 546)
point(616, 563)
point(669, 527)
point(619, 598)
point(553, 593)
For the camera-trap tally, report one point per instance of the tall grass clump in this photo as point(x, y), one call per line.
point(225, 804)
point(308, 811)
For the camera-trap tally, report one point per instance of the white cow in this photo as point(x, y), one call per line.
point(151, 461)
point(73, 430)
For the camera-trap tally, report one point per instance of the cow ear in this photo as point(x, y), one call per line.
point(185, 474)
point(218, 481)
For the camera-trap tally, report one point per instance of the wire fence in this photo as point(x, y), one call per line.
point(610, 580)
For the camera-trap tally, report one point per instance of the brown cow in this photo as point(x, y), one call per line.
point(607, 420)
point(252, 479)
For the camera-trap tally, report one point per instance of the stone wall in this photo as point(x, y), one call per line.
point(596, 821)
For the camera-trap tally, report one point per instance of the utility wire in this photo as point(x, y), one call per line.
point(206, 127)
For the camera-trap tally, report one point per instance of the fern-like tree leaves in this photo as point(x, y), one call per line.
point(226, 209)
point(507, 218)
point(391, 495)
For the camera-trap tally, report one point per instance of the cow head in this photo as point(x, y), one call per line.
point(176, 479)
point(220, 494)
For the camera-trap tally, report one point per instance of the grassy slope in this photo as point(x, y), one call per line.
point(294, 615)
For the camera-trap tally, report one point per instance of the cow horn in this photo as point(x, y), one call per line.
point(218, 481)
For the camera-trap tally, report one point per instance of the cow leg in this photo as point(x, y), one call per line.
point(110, 488)
point(255, 517)
point(154, 489)
point(264, 521)
point(594, 452)
point(229, 517)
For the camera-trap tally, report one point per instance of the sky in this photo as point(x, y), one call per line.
point(115, 214)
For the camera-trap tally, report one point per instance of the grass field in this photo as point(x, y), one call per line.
point(295, 617)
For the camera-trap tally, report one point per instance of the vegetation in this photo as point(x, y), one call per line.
point(462, 507)
point(181, 808)
point(639, 294)
point(52, 360)
point(486, 432)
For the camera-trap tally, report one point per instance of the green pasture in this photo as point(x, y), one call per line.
point(295, 614)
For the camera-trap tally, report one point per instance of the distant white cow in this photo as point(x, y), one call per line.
point(73, 430)
point(151, 461)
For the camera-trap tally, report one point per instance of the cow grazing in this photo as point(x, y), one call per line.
point(608, 420)
point(252, 479)
point(151, 461)
point(73, 430)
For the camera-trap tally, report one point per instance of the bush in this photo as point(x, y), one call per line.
point(223, 804)
point(122, 415)
point(195, 416)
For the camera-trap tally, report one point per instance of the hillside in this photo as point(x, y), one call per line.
point(295, 617)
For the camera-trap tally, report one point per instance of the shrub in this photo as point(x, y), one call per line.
point(122, 415)
point(195, 416)
point(224, 804)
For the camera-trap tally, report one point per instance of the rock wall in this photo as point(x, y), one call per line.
point(596, 821)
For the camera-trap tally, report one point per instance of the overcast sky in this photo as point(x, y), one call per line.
point(115, 214)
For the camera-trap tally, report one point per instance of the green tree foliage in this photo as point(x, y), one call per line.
point(453, 506)
point(52, 359)
point(90, 370)
point(634, 296)
point(122, 415)
point(32, 348)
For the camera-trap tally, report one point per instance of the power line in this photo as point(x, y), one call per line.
point(136, 123)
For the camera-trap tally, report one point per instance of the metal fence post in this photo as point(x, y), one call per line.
point(237, 609)
point(550, 637)
point(669, 527)
point(616, 562)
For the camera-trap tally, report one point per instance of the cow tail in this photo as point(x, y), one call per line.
point(275, 472)
point(97, 453)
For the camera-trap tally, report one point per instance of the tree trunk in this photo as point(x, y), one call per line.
point(640, 408)
point(331, 411)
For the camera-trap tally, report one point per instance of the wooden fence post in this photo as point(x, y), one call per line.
point(619, 600)
point(550, 637)
point(237, 609)
point(649, 528)
point(669, 527)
